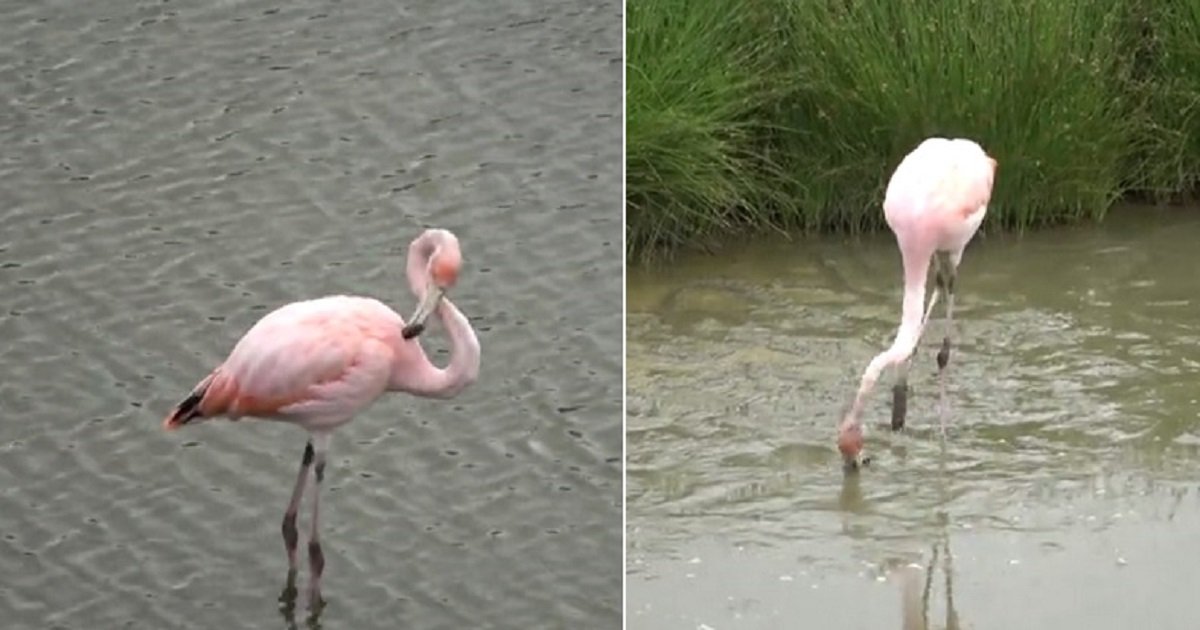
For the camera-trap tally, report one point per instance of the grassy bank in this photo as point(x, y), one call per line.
point(792, 114)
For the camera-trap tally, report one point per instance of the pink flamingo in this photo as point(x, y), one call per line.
point(318, 363)
point(934, 204)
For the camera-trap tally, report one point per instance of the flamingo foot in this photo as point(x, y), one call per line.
point(287, 598)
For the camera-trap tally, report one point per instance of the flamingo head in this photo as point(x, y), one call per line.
point(442, 261)
point(445, 261)
point(850, 443)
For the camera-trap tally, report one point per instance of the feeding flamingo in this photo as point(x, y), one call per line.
point(934, 204)
point(318, 363)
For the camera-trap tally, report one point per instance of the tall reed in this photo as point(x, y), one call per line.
point(1038, 83)
point(792, 113)
point(1169, 80)
point(698, 74)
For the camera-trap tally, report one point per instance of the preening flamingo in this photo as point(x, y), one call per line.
point(318, 363)
point(934, 204)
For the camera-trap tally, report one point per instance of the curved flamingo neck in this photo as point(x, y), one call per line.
point(463, 369)
point(912, 324)
point(424, 378)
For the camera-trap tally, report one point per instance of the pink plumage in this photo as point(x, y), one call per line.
point(935, 202)
point(318, 363)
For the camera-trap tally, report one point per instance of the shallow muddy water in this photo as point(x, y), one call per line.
point(1065, 494)
point(169, 171)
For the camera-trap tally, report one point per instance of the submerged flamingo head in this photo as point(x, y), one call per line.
point(850, 443)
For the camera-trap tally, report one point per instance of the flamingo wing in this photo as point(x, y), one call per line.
point(327, 357)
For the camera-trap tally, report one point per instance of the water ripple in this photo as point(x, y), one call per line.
point(181, 168)
point(1070, 397)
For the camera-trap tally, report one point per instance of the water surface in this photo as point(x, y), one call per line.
point(1065, 495)
point(169, 171)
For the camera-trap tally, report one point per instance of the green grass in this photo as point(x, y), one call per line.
point(698, 75)
point(1037, 83)
point(792, 114)
point(1170, 85)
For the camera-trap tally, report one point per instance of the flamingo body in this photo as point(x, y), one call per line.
point(318, 363)
point(937, 197)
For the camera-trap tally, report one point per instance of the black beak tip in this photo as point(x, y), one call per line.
point(412, 330)
point(855, 465)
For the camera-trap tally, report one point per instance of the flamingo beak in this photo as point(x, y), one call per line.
point(850, 443)
point(856, 463)
point(429, 303)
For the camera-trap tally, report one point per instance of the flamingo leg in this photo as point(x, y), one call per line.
point(900, 395)
point(316, 557)
point(291, 536)
point(900, 389)
point(947, 275)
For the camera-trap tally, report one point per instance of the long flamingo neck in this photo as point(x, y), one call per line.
point(428, 379)
point(912, 323)
point(422, 378)
point(912, 318)
point(463, 368)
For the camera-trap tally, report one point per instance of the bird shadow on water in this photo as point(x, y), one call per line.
point(287, 606)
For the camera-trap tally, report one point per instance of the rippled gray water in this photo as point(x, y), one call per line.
point(1066, 495)
point(171, 170)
